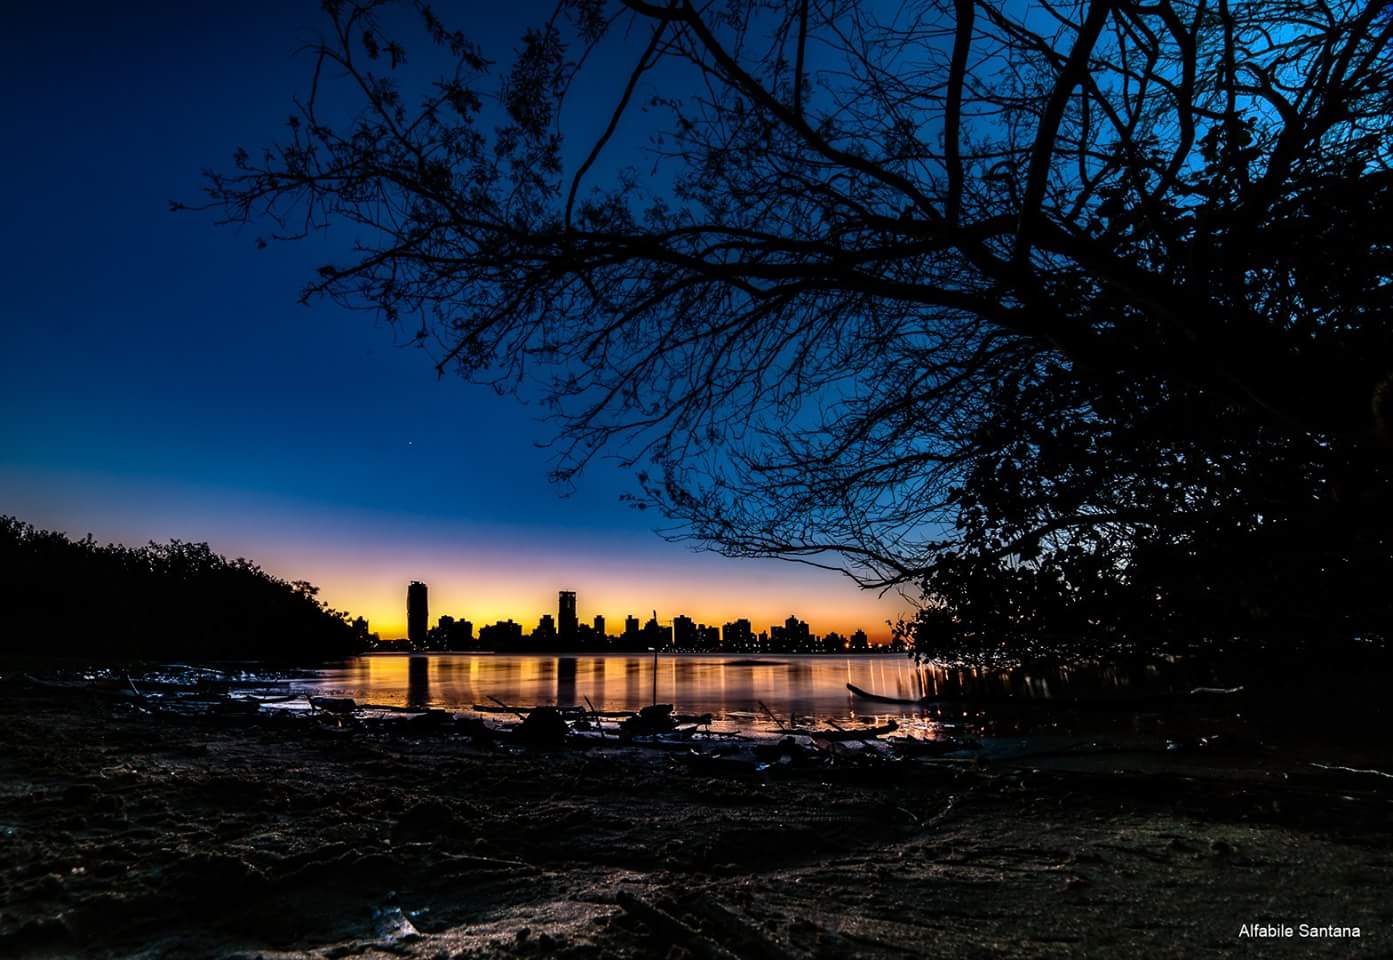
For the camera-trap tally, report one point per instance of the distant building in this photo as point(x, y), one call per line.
point(545, 634)
point(631, 635)
point(451, 634)
point(684, 633)
point(656, 635)
point(796, 633)
point(599, 626)
point(417, 614)
point(503, 635)
point(566, 617)
point(859, 641)
point(737, 635)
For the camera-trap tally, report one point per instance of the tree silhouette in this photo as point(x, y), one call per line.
point(1071, 318)
point(63, 597)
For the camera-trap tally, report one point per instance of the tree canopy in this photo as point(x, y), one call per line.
point(78, 598)
point(1071, 319)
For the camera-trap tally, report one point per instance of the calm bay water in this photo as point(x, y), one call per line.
point(813, 687)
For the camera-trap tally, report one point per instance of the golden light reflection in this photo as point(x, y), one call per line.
point(694, 684)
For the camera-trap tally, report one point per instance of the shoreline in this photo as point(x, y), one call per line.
point(134, 835)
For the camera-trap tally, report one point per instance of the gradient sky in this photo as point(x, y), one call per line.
point(159, 380)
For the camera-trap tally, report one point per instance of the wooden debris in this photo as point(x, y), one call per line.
point(334, 704)
point(841, 735)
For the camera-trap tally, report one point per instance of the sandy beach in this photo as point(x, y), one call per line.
point(131, 835)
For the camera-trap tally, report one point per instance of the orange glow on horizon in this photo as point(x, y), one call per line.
point(362, 564)
point(383, 604)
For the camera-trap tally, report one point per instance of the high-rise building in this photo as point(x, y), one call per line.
point(566, 617)
point(503, 635)
point(417, 614)
point(545, 634)
point(599, 626)
point(451, 634)
point(737, 635)
point(683, 632)
point(796, 633)
point(656, 635)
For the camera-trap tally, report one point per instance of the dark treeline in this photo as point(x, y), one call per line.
point(65, 597)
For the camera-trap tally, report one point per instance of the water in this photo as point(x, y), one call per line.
point(735, 691)
point(721, 685)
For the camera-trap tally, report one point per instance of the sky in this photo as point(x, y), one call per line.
point(159, 379)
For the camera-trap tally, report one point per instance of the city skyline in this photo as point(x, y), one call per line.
point(589, 618)
point(564, 631)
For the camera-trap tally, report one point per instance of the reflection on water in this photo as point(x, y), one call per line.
point(418, 682)
point(798, 686)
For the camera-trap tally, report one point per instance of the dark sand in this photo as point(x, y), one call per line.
point(125, 835)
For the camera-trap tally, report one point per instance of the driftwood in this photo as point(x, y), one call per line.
point(334, 704)
point(1121, 703)
point(700, 719)
point(841, 735)
point(878, 698)
point(507, 709)
point(770, 714)
point(779, 724)
point(841, 729)
point(287, 698)
point(596, 718)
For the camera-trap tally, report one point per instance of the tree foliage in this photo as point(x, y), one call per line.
point(1070, 318)
point(63, 597)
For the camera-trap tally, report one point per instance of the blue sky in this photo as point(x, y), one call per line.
point(159, 378)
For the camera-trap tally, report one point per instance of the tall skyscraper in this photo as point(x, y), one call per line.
point(599, 626)
point(566, 617)
point(417, 613)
